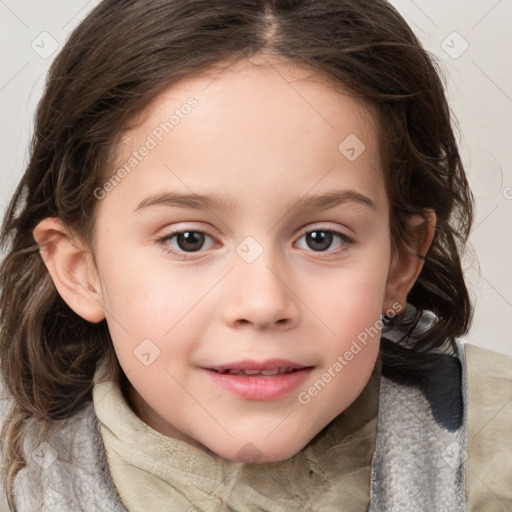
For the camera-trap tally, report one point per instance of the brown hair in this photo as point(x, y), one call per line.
point(119, 59)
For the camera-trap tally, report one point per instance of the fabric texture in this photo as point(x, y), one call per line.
point(409, 457)
point(489, 436)
point(420, 452)
point(69, 472)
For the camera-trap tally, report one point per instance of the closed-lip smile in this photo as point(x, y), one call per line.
point(259, 380)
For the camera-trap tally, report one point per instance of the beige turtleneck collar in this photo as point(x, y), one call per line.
point(156, 473)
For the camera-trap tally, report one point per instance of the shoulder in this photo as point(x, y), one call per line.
point(485, 362)
point(489, 434)
point(71, 457)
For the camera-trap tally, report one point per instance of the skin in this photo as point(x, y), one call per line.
point(262, 134)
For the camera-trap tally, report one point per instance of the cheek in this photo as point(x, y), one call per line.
point(350, 346)
point(348, 307)
point(135, 292)
point(351, 297)
point(144, 303)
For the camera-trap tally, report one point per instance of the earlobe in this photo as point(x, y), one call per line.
point(71, 268)
point(408, 262)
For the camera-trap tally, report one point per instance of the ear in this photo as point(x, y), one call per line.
point(407, 262)
point(71, 267)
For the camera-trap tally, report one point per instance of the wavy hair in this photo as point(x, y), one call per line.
point(121, 56)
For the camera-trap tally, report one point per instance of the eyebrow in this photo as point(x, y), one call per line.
point(211, 202)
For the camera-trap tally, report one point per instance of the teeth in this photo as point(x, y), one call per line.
point(275, 371)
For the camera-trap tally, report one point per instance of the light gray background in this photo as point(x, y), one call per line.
point(479, 89)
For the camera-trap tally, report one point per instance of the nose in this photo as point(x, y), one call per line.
point(261, 295)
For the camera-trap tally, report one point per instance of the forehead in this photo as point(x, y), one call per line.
point(271, 89)
point(263, 125)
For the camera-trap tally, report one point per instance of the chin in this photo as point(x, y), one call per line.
point(259, 452)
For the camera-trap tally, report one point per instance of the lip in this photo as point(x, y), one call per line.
point(259, 387)
point(268, 364)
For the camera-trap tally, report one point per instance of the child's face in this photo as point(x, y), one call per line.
point(255, 286)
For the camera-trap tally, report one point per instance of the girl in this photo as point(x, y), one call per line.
point(178, 335)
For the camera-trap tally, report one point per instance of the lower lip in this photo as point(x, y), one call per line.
point(260, 387)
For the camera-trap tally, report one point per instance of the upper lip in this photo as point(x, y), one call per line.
point(269, 364)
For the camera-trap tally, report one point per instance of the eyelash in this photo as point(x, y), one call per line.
point(164, 239)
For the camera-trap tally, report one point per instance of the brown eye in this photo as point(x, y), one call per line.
point(182, 242)
point(190, 240)
point(320, 240)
